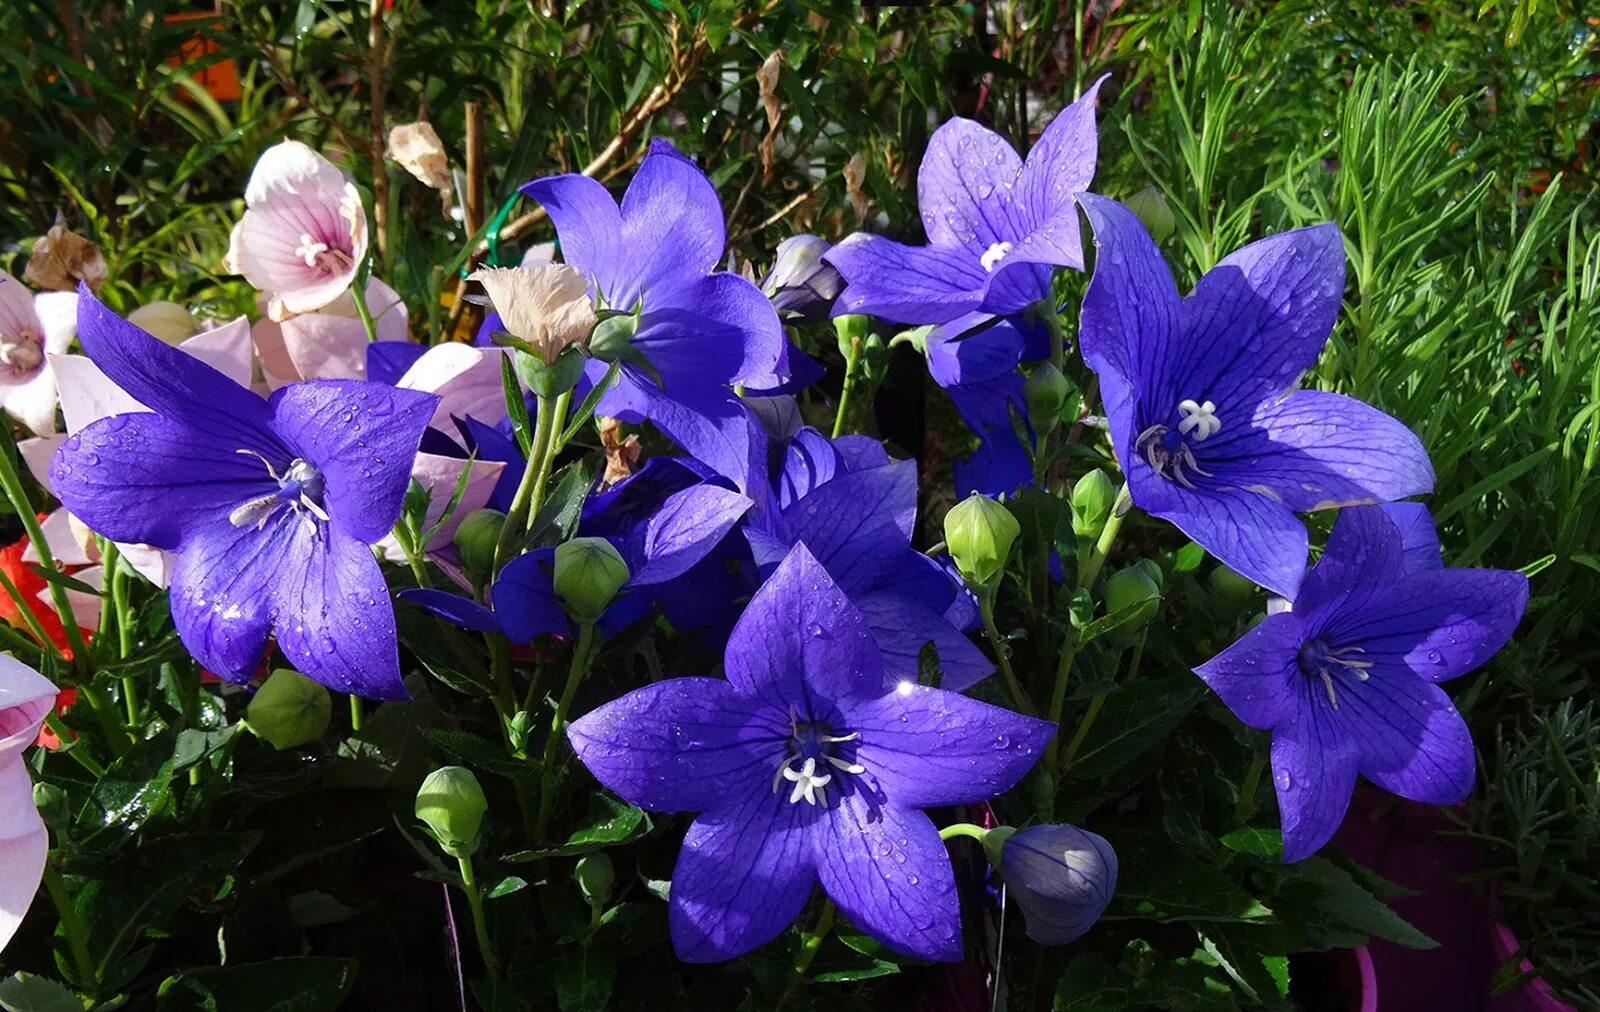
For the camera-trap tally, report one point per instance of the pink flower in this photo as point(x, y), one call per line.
point(330, 343)
point(303, 234)
point(31, 328)
point(25, 698)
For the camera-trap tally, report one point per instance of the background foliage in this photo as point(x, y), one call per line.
point(1453, 145)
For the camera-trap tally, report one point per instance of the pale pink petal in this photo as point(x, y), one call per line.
point(439, 476)
point(151, 563)
point(17, 314)
point(58, 315)
point(388, 311)
point(225, 348)
point(32, 401)
point(25, 697)
point(36, 453)
point(168, 321)
point(70, 544)
point(324, 346)
point(467, 380)
point(85, 607)
point(277, 368)
point(87, 394)
point(24, 845)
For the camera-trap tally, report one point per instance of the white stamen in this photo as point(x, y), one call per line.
point(848, 767)
point(807, 784)
point(1327, 683)
point(993, 255)
point(1199, 421)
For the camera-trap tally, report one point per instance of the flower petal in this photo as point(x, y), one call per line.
point(671, 222)
point(1362, 556)
point(683, 745)
point(1409, 737)
point(387, 361)
point(1258, 676)
point(24, 845)
point(956, 360)
point(709, 332)
point(688, 525)
point(226, 348)
point(170, 382)
point(524, 597)
point(32, 401)
point(901, 626)
point(363, 437)
point(334, 619)
point(589, 224)
point(742, 877)
point(1316, 450)
point(800, 635)
point(1314, 772)
point(842, 521)
point(906, 284)
point(468, 381)
point(966, 187)
point(453, 608)
point(26, 697)
point(1252, 534)
point(1437, 625)
point(1060, 165)
point(886, 869)
point(323, 346)
point(930, 747)
point(1419, 539)
point(224, 590)
point(146, 479)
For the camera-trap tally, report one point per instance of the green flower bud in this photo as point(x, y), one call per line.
point(979, 533)
point(1046, 391)
point(451, 804)
point(1151, 208)
point(595, 877)
point(589, 572)
point(289, 710)
point(850, 328)
point(1129, 588)
point(476, 538)
point(51, 801)
point(613, 337)
point(1231, 587)
point(1152, 569)
point(1092, 499)
point(549, 379)
point(166, 320)
point(994, 842)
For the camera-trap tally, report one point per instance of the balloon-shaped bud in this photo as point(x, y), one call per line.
point(1092, 499)
point(979, 533)
point(613, 337)
point(475, 540)
point(451, 804)
point(589, 572)
point(1130, 588)
point(850, 328)
point(1046, 391)
point(165, 320)
point(801, 284)
point(595, 877)
point(1061, 876)
point(1150, 207)
point(289, 710)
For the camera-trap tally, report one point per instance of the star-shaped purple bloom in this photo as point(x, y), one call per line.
point(1198, 392)
point(1346, 679)
point(699, 330)
point(997, 227)
point(805, 768)
point(269, 505)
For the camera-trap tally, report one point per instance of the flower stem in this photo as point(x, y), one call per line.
point(358, 293)
point(518, 519)
point(505, 704)
point(1002, 655)
point(11, 481)
point(1088, 570)
point(552, 449)
point(808, 950)
point(963, 829)
point(69, 747)
point(558, 725)
point(1247, 790)
point(357, 715)
point(850, 363)
point(480, 926)
point(70, 926)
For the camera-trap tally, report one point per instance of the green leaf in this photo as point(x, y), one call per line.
point(1350, 903)
point(558, 517)
point(1138, 718)
point(133, 789)
point(479, 753)
point(590, 401)
point(1190, 892)
point(516, 407)
point(584, 977)
point(1263, 843)
point(28, 992)
point(297, 984)
point(610, 822)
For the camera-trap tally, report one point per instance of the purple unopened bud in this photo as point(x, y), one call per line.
point(800, 283)
point(1061, 876)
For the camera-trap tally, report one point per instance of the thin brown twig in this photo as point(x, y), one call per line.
point(376, 53)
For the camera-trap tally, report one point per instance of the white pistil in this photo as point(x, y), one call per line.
point(310, 249)
point(1198, 421)
point(993, 255)
point(807, 784)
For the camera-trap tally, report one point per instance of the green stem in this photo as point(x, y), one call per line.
point(553, 450)
point(850, 363)
point(359, 294)
point(71, 748)
point(1088, 571)
point(116, 735)
point(480, 926)
point(558, 725)
point(1247, 790)
point(30, 618)
point(67, 914)
point(11, 481)
point(963, 829)
point(517, 520)
point(808, 951)
point(1002, 656)
point(1082, 730)
point(357, 714)
point(15, 642)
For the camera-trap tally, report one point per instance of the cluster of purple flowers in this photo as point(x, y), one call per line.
point(812, 757)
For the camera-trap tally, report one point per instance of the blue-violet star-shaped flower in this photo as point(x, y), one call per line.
point(1198, 393)
point(270, 506)
point(1347, 678)
point(806, 768)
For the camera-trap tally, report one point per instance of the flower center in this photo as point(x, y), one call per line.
point(322, 256)
point(1320, 661)
point(1168, 452)
point(814, 756)
point(1198, 421)
point(993, 255)
point(22, 354)
point(300, 488)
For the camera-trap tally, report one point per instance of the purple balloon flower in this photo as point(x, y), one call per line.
point(1061, 876)
point(997, 227)
point(1346, 679)
point(805, 770)
point(1199, 395)
point(699, 330)
point(269, 505)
